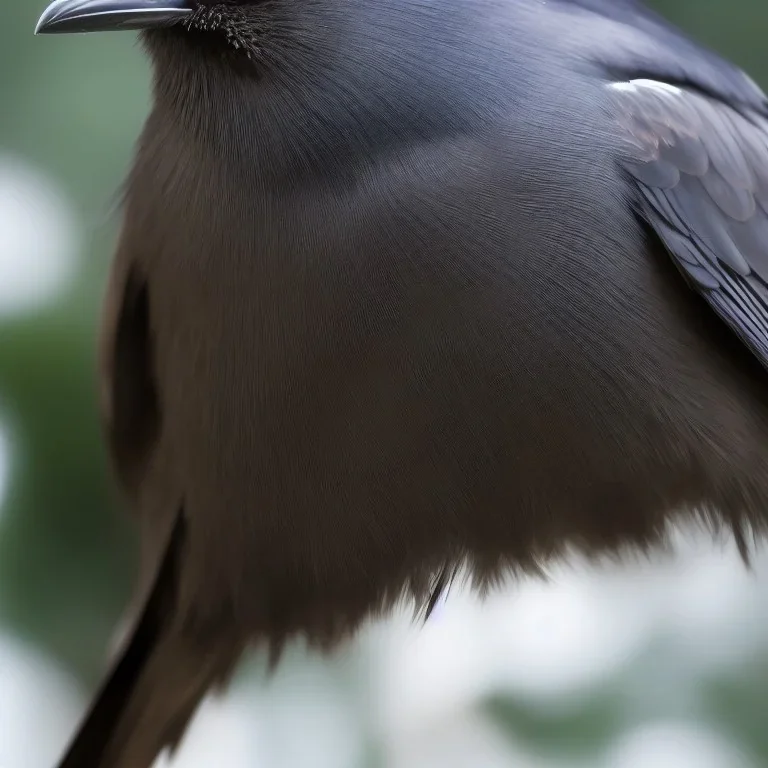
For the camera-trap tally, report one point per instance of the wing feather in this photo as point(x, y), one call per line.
point(700, 170)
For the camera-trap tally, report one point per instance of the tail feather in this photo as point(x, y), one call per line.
point(154, 686)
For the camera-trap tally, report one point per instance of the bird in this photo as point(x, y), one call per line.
point(405, 289)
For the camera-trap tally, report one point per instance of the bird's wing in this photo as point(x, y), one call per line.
point(695, 144)
point(129, 399)
point(628, 40)
point(700, 170)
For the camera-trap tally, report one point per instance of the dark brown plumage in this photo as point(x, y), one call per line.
point(408, 285)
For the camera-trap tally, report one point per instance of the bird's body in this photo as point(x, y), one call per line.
point(392, 295)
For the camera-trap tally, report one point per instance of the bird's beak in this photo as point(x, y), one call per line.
point(102, 15)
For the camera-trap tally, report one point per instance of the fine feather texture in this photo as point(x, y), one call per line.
point(398, 291)
point(655, 46)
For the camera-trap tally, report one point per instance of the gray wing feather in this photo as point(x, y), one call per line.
point(700, 168)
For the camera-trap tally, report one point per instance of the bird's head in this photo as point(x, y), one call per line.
point(235, 23)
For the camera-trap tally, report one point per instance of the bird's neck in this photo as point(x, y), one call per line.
point(331, 84)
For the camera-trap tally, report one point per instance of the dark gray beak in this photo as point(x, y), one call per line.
point(102, 15)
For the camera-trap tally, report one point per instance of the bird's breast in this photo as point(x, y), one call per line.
point(349, 367)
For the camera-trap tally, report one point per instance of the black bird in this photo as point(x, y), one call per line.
point(405, 285)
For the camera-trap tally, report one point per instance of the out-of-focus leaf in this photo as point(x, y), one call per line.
point(64, 553)
point(575, 732)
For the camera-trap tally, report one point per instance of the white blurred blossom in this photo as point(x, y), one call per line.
point(39, 237)
point(674, 745)
point(39, 707)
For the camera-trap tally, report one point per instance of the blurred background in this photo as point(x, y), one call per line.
point(660, 664)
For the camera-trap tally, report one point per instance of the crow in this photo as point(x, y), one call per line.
point(405, 287)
